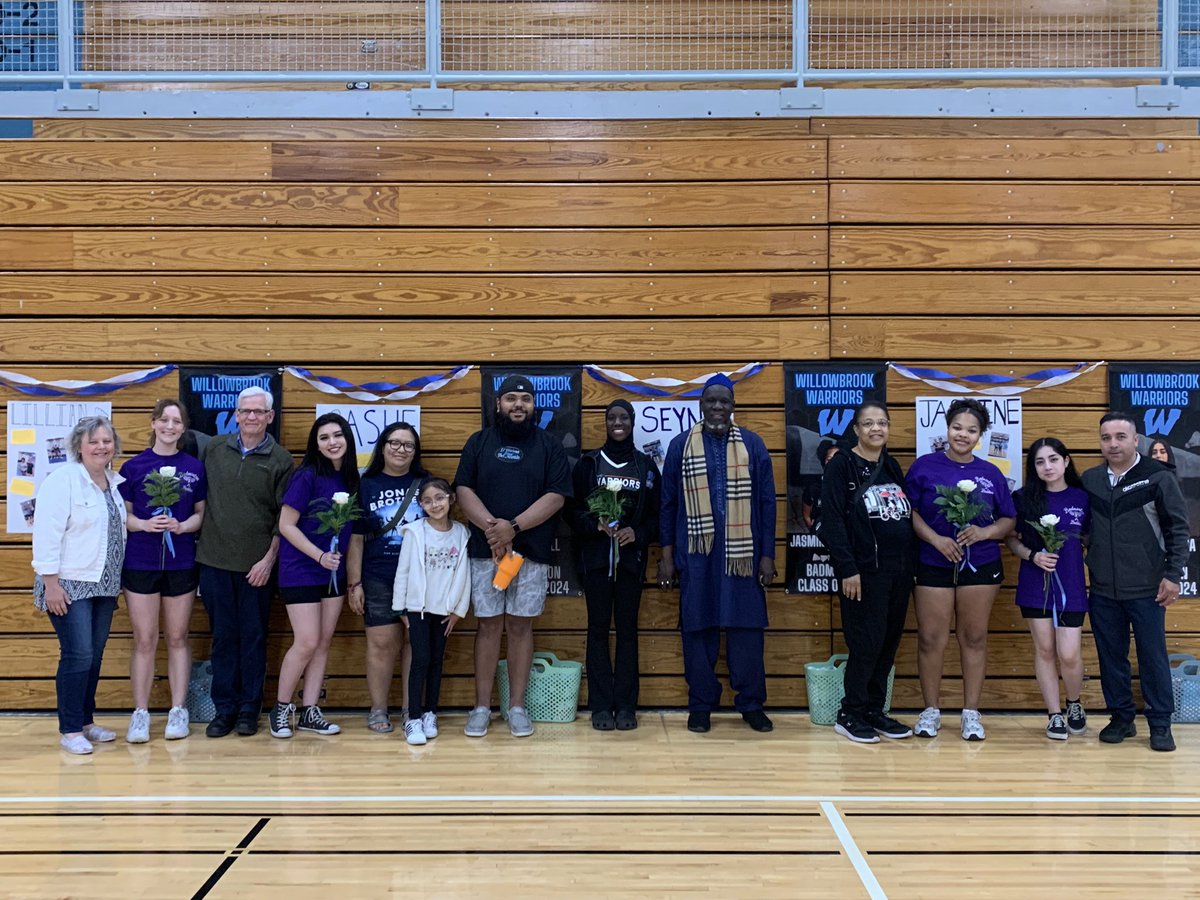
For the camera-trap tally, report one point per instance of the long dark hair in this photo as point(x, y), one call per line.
point(1033, 494)
point(375, 466)
point(317, 461)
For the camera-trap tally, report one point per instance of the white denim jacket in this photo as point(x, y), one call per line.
point(70, 524)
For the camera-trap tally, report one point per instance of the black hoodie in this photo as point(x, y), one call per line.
point(851, 535)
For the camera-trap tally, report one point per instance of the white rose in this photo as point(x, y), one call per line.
point(967, 486)
point(341, 498)
point(167, 471)
point(1049, 519)
point(612, 484)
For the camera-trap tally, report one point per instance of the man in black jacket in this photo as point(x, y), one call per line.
point(1136, 557)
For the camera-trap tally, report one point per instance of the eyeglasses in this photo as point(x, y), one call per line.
point(430, 499)
point(407, 446)
point(871, 423)
point(253, 413)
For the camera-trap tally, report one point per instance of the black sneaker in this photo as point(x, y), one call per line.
point(1117, 730)
point(1160, 738)
point(1076, 717)
point(855, 729)
point(758, 720)
point(310, 719)
point(280, 720)
point(888, 727)
point(1056, 728)
point(221, 725)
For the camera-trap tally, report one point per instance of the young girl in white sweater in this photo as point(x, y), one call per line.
point(433, 590)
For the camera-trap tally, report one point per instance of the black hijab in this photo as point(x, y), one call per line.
point(619, 451)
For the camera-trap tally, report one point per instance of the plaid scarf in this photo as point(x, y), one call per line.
point(739, 543)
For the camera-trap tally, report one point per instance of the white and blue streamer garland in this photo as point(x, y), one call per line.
point(993, 385)
point(377, 391)
point(667, 387)
point(75, 388)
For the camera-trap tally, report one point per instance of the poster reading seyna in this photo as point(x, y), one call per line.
point(558, 402)
point(1164, 399)
point(819, 403)
point(657, 422)
point(37, 444)
point(367, 421)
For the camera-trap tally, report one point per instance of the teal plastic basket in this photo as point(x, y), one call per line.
point(826, 686)
point(553, 692)
point(1185, 687)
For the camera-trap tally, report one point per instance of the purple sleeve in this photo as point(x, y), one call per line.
point(200, 487)
point(132, 482)
point(299, 491)
point(1004, 506)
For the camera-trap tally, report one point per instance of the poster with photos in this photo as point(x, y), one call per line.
point(1002, 444)
point(37, 445)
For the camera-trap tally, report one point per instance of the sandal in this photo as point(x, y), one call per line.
point(379, 722)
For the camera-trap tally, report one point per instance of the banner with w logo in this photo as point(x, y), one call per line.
point(1164, 399)
point(819, 404)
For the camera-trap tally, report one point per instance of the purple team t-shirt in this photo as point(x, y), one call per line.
point(992, 491)
point(1074, 519)
point(144, 550)
point(296, 569)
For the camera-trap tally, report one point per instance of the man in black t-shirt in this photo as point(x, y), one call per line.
point(512, 480)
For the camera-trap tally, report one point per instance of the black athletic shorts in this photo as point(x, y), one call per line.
point(169, 583)
point(1066, 619)
point(943, 576)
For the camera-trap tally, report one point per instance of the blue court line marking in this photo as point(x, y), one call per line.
point(409, 799)
point(861, 866)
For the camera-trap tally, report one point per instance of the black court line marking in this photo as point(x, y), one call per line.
point(211, 883)
point(109, 852)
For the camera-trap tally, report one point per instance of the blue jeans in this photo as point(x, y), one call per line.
point(237, 612)
point(1111, 623)
point(82, 634)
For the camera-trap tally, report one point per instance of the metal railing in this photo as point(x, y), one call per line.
point(432, 42)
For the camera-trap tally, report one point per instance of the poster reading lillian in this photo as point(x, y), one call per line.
point(819, 403)
point(558, 407)
point(1164, 399)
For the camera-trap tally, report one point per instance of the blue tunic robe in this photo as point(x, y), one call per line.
point(708, 596)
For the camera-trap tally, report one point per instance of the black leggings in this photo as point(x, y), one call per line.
point(427, 635)
point(611, 601)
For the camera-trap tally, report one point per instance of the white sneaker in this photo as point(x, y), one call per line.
point(178, 722)
point(929, 722)
point(98, 735)
point(76, 743)
point(972, 728)
point(139, 727)
point(429, 725)
point(414, 733)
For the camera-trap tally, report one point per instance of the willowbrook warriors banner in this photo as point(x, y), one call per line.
point(1164, 399)
point(558, 401)
point(210, 395)
point(819, 402)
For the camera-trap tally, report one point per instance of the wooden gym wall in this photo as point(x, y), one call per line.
point(383, 250)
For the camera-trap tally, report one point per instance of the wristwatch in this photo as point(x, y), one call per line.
point(515, 527)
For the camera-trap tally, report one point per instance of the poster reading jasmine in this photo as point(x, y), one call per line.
point(37, 444)
point(1164, 399)
point(210, 395)
point(819, 403)
point(1001, 445)
point(558, 407)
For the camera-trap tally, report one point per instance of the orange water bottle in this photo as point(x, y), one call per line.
point(507, 569)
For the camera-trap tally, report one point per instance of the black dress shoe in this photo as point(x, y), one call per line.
point(626, 720)
point(247, 724)
point(757, 719)
point(602, 720)
point(699, 722)
point(1117, 730)
point(220, 726)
